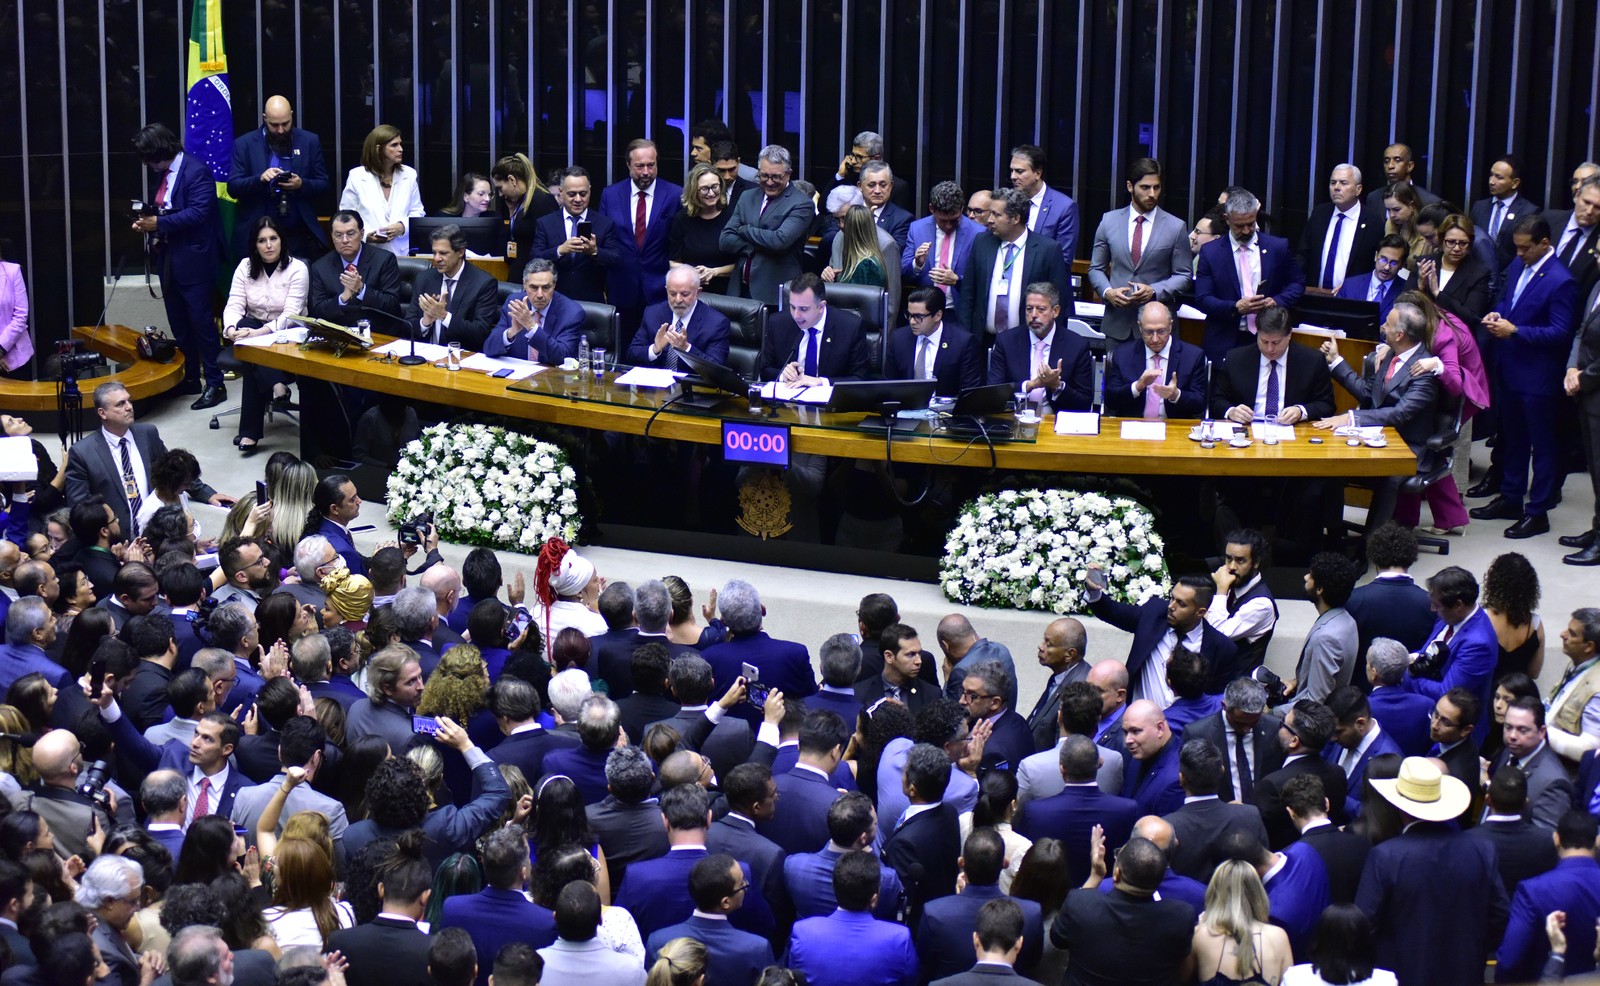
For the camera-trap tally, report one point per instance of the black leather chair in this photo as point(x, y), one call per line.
point(603, 326)
point(1437, 461)
point(747, 320)
point(508, 290)
point(870, 303)
point(410, 269)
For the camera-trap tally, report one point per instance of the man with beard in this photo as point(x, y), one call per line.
point(249, 572)
point(278, 171)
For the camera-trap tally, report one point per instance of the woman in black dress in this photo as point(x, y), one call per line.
point(697, 230)
point(526, 200)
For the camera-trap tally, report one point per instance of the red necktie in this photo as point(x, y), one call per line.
point(202, 801)
point(1138, 240)
point(161, 190)
point(638, 223)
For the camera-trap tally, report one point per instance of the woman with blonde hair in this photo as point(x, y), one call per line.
point(384, 191)
point(526, 199)
point(16, 760)
point(303, 910)
point(863, 257)
point(680, 962)
point(291, 495)
point(695, 239)
point(1233, 943)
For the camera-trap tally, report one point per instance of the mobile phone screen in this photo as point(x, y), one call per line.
point(425, 725)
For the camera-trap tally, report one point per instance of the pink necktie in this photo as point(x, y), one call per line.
point(1152, 400)
point(944, 259)
point(1247, 286)
point(1041, 359)
point(161, 190)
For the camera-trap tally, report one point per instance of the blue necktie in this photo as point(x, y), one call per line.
point(811, 352)
point(1333, 251)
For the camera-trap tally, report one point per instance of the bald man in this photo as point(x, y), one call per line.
point(1174, 886)
point(963, 648)
point(1061, 653)
point(10, 556)
point(1152, 778)
point(1399, 164)
point(278, 171)
point(57, 756)
point(445, 584)
point(1111, 677)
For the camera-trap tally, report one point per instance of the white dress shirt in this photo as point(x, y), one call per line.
point(219, 780)
point(931, 341)
point(1253, 618)
point(1012, 280)
point(654, 352)
point(821, 329)
point(140, 476)
point(1341, 247)
point(1153, 680)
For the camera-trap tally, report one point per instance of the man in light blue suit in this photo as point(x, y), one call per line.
point(1051, 213)
point(938, 245)
point(850, 947)
point(719, 888)
point(680, 323)
point(1161, 268)
point(1469, 640)
point(542, 325)
point(806, 792)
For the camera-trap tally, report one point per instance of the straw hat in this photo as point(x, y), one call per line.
point(1425, 792)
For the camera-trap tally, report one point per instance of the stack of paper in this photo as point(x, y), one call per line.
point(817, 394)
point(296, 336)
point(1077, 423)
point(649, 376)
point(1145, 431)
point(1263, 431)
point(521, 369)
point(402, 347)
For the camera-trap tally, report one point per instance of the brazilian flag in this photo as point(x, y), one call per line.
point(208, 120)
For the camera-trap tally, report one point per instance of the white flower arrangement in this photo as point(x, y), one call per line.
point(1029, 549)
point(486, 486)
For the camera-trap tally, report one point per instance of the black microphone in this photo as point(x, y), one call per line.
point(413, 359)
point(21, 739)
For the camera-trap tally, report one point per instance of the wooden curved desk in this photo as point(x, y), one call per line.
point(564, 398)
point(143, 378)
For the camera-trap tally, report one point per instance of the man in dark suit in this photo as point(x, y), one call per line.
point(599, 728)
point(680, 323)
point(1245, 733)
point(767, 232)
point(1506, 206)
point(656, 891)
point(807, 792)
point(641, 207)
point(1061, 654)
point(1091, 925)
point(648, 668)
point(164, 798)
point(1403, 715)
point(752, 796)
point(611, 653)
point(16, 896)
point(850, 945)
point(1573, 889)
point(1159, 626)
point(782, 664)
point(983, 696)
point(729, 741)
point(901, 678)
point(1343, 853)
point(813, 343)
point(1156, 374)
point(1205, 820)
point(1549, 786)
point(1306, 729)
point(945, 936)
point(1452, 728)
point(1046, 361)
point(1398, 164)
point(584, 262)
point(351, 279)
point(938, 246)
point(1431, 884)
point(391, 950)
point(1522, 850)
point(1357, 738)
point(997, 940)
point(926, 844)
point(1081, 805)
point(185, 244)
point(1390, 394)
point(499, 914)
point(839, 661)
point(1576, 234)
point(1532, 334)
point(627, 823)
point(877, 180)
point(931, 348)
point(1274, 277)
point(1272, 378)
point(515, 706)
point(1391, 605)
point(455, 301)
point(865, 148)
point(278, 170)
point(543, 325)
point(719, 888)
point(1341, 229)
point(1582, 381)
point(1004, 264)
point(118, 459)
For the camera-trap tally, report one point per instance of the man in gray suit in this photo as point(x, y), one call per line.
point(768, 231)
point(1078, 714)
point(1140, 254)
point(1549, 785)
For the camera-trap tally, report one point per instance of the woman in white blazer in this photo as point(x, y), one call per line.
point(384, 191)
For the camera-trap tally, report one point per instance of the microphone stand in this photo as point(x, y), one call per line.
point(413, 359)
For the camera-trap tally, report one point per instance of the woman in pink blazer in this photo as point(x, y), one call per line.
point(1459, 367)
point(16, 344)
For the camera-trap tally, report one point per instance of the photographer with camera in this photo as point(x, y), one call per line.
point(183, 241)
point(1462, 649)
point(70, 795)
point(278, 170)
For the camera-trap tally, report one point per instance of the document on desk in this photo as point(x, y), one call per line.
point(521, 369)
point(1077, 423)
point(294, 335)
point(817, 394)
point(649, 376)
point(402, 347)
point(1145, 431)
point(1270, 431)
point(1363, 432)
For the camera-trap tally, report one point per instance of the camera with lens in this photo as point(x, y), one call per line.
point(92, 785)
point(416, 529)
point(75, 358)
point(1429, 662)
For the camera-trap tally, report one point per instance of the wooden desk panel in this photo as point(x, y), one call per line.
point(568, 399)
point(143, 378)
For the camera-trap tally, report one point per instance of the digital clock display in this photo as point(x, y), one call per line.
point(759, 444)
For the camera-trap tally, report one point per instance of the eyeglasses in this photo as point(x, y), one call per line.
point(1292, 731)
point(918, 316)
point(1434, 716)
point(766, 179)
point(741, 888)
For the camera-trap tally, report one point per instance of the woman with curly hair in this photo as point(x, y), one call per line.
point(238, 917)
point(567, 589)
point(1510, 596)
point(457, 690)
point(303, 910)
point(398, 799)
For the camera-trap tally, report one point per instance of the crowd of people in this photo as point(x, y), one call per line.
point(268, 758)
